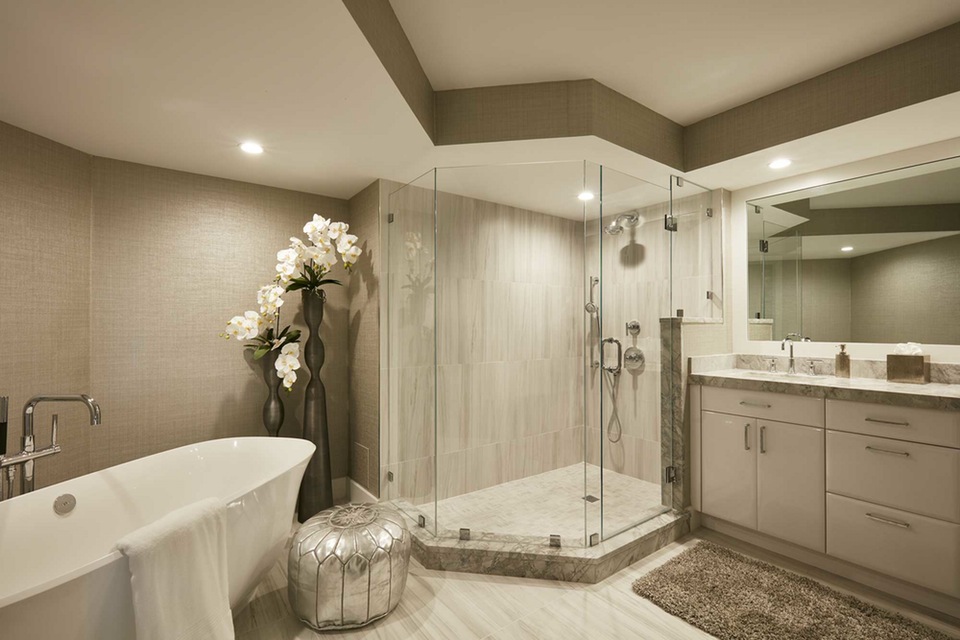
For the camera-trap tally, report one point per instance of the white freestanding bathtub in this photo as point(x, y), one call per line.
point(60, 576)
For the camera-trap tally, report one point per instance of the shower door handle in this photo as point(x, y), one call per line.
point(611, 369)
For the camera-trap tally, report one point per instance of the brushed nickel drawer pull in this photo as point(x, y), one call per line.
point(758, 405)
point(896, 523)
point(897, 424)
point(888, 451)
point(763, 440)
point(746, 436)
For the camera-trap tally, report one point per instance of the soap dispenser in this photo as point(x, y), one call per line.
point(842, 368)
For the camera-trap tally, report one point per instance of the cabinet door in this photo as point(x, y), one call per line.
point(729, 468)
point(790, 486)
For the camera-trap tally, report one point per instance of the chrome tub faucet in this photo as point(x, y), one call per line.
point(30, 454)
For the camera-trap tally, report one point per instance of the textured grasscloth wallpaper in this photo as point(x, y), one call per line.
point(908, 293)
point(116, 279)
point(45, 289)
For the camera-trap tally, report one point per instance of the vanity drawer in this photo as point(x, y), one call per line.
point(920, 478)
point(911, 547)
point(761, 404)
point(903, 423)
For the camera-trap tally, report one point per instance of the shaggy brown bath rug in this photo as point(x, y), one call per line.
point(734, 597)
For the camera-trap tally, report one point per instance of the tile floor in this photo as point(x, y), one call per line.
point(441, 605)
point(552, 503)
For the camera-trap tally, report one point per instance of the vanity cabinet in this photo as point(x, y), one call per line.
point(893, 491)
point(790, 483)
point(729, 468)
point(871, 484)
point(761, 473)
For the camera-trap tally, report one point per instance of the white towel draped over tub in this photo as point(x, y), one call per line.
point(178, 574)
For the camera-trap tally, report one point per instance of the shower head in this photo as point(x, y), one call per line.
point(615, 228)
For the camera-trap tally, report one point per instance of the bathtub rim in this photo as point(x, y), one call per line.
point(113, 555)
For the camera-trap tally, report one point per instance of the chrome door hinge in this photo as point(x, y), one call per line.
point(670, 223)
point(764, 246)
point(389, 218)
point(670, 475)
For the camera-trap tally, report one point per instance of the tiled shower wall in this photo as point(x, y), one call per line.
point(116, 278)
point(507, 342)
point(510, 343)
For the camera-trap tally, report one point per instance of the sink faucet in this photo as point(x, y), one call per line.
point(790, 337)
point(29, 453)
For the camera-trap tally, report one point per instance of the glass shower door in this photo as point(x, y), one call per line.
point(635, 287)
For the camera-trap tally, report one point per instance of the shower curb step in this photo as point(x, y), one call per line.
point(534, 558)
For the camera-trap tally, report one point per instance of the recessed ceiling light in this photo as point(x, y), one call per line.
point(585, 195)
point(846, 248)
point(251, 147)
point(780, 163)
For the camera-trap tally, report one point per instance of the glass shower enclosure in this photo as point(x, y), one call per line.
point(525, 358)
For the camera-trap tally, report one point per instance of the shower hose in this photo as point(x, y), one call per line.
point(614, 427)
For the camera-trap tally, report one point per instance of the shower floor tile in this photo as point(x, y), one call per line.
point(554, 503)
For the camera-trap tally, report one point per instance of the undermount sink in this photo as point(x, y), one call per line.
point(783, 375)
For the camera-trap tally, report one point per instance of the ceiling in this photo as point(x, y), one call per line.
point(686, 60)
point(828, 247)
point(942, 187)
point(180, 84)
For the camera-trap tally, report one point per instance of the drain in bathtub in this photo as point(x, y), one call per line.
point(64, 504)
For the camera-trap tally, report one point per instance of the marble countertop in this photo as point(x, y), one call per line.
point(924, 396)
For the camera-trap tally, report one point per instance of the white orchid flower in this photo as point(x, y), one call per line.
point(336, 229)
point(285, 364)
point(288, 255)
point(291, 349)
point(245, 327)
point(235, 328)
point(323, 255)
point(252, 322)
point(289, 378)
point(297, 245)
point(316, 228)
point(270, 299)
point(346, 241)
point(286, 270)
point(350, 255)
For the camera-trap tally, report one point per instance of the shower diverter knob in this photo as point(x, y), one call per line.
point(633, 359)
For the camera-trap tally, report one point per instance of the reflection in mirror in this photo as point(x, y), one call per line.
point(873, 259)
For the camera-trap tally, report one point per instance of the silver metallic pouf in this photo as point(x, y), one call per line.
point(348, 566)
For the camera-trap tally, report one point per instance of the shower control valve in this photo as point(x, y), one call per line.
point(633, 327)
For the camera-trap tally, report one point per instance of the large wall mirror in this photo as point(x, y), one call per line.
point(872, 259)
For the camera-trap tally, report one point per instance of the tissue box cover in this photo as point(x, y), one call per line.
point(902, 368)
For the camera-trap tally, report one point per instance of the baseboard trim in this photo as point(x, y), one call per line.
point(359, 494)
point(885, 584)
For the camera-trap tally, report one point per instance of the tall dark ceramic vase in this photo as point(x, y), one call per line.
point(316, 492)
point(273, 407)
